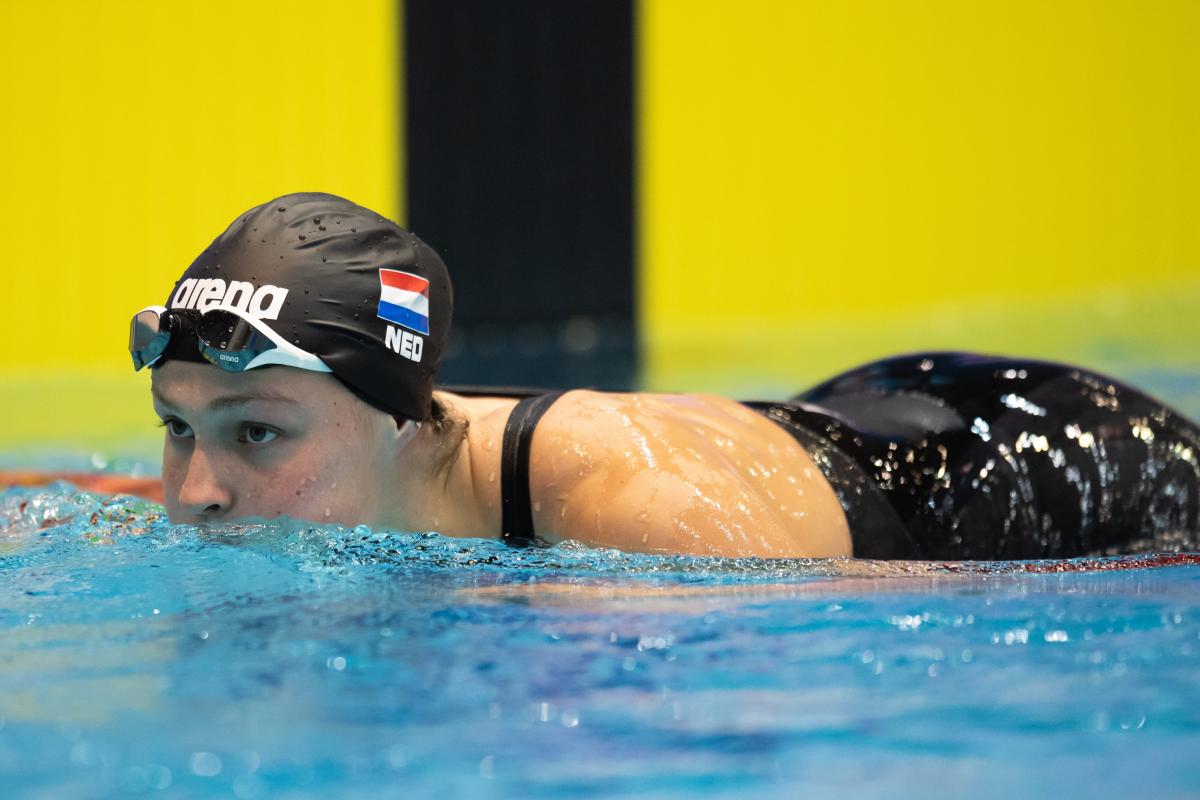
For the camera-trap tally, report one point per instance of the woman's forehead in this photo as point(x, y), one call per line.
point(201, 386)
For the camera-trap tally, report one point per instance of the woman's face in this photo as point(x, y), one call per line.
point(270, 442)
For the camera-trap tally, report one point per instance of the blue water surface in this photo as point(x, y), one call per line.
point(285, 660)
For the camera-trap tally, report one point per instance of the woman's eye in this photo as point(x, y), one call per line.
point(258, 434)
point(178, 428)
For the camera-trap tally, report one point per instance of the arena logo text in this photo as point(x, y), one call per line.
point(265, 302)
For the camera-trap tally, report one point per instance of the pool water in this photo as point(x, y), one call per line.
point(279, 659)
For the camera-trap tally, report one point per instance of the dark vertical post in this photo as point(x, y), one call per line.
point(520, 172)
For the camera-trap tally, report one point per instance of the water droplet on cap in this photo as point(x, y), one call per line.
point(303, 237)
point(281, 208)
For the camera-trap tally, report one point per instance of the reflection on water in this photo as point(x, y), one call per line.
point(82, 673)
point(281, 659)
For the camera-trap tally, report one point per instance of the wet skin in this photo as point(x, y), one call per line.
point(694, 474)
point(643, 473)
point(267, 443)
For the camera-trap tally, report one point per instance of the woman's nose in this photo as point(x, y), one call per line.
point(205, 493)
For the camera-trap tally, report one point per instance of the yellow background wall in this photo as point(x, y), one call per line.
point(824, 183)
point(820, 183)
point(133, 133)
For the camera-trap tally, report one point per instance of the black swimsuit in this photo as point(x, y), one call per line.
point(957, 456)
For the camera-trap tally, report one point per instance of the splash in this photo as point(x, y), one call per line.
point(61, 515)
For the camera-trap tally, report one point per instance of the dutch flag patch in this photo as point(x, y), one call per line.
point(404, 299)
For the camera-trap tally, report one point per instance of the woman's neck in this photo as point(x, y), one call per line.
point(460, 494)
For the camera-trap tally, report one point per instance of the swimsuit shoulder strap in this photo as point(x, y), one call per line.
point(515, 505)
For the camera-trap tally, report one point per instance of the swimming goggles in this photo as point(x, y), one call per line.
point(226, 337)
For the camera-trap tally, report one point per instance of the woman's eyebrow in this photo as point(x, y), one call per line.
point(228, 400)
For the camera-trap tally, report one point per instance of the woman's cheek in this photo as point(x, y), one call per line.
point(172, 477)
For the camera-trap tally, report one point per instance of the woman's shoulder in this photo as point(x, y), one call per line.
point(630, 430)
point(629, 410)
point(683, 473)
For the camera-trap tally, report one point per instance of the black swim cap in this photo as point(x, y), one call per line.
point(337, 280)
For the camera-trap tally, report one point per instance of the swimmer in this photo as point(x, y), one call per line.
point(293, 368)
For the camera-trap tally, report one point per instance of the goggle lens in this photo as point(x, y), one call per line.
point(224, 339)
point(229, 341)
point(148, 338)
